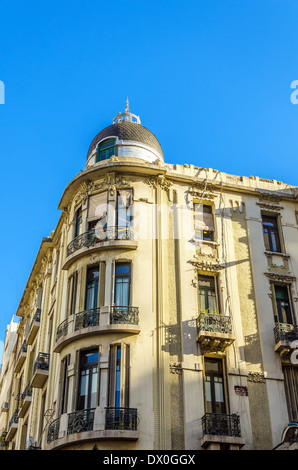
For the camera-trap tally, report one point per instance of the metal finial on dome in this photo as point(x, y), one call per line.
point(127, 116)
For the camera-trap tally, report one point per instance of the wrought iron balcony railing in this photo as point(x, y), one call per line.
point(215, 323)
point(80, 421)
point(14, 418)
point(219, 424)
point(62, 329)
point(124, 419)
point(53, 430)
point(124, 315)
point(94, 236)
point(92, 317)
point(285, 332)
point(23, 349)
point(42, 362)
point(26, 393)
point(36, 317)
point(87, 318)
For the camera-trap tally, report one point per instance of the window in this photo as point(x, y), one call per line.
point(208, 298)
point(291, 389)
point(64, 384)
point(88, 380)
point(72, 293)
point(271, 233)
point(283, 310)
point(204, 222)
point(214, 386)
point(105, 150)
point(122, 284)
point(119, 376)
point(78, 222)
point(124, 211)
point(97, 213)
point(92, 284)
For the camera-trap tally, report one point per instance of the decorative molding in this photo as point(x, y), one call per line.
point(176, 368)
point(162, 181)
point(269, 207)
point(203, 191)
point(287, 279)
point(257, 377)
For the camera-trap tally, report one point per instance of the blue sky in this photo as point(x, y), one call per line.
point(211, 78)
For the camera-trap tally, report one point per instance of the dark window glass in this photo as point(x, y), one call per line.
point(88, 380)
point(91, 300)
point(105, 150)
point(283, 305)
point(78, 222)
point(214, 386)
point(271, 235)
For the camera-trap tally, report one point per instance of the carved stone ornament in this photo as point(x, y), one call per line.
point(280, 277)
point(204, 265)
point(175, 368)
point(161, 181)
point(204, 191)
point(112, 180)
point(256, 377)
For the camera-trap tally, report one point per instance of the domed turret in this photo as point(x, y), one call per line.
point(126, 137)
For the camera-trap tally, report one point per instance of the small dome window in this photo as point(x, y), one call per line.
point(105, 150)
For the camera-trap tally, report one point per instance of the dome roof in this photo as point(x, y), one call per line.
point(127, 129)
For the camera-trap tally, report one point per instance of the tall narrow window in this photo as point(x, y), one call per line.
point(88, 383)
point(214, 386)
point(105, 150)
point(64, 384)
point(204, 222)
point(271, 233)
point(291, 389)
point(208, 298)
point(91, 299)
point(119, 376)
point(122, 284)
point(124, 212)
point(72, 293)
point(78, 222)
point(283, 311)
point(97, 213)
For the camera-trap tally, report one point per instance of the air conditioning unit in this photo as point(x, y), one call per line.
point(5, 406)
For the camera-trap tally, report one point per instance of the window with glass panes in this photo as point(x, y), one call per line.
point(122, 284)
point(214, 386)
point(208, 299)
point(271, 233)
point(106, 150)
point(283, 313)
point(92, 284)
point(88, 380)
point(204, 222)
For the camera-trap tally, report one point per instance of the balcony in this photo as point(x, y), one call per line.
point(25, 401)
point(91, 425)
point(21, 357)
point(97, 321)
point(124, 419)
point(285, 334)
point(13, 426)
point(221, 431)
point(34, 327)
point(109, 238)
point(3, 441)
point(214, 332)
point(40, 370)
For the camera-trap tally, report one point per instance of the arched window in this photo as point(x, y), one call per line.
point(105, 150)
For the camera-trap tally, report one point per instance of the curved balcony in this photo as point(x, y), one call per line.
point(93, 424)
point(214, 332)
point(110, 238)
point(97, 321)
point(285, 334)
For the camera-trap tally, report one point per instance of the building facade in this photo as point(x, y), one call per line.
point(161, 313)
